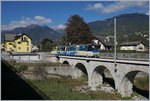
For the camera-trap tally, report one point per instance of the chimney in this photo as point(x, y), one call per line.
point(20, 33)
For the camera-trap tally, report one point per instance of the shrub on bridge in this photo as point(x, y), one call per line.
point(21, 68)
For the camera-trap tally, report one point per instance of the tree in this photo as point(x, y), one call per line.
point(77, 31)
point(47, 44)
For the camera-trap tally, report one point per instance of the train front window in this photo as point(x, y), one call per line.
point(83, 48)
point(71, 48)
point(61, 48)
point(86, 48)
point(89, 48)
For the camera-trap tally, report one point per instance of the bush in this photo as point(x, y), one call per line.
point(12, 62)
point(40, 73)
point(21, 68)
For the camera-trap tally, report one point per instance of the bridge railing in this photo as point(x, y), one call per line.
point(120, 56)
point(127, 56)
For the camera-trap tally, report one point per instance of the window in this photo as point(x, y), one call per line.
point(141, 48)
point(27, 48)
point(10, 43)
point(19, 48)
point(24, 39)
point(27, 43)
point(19, 42)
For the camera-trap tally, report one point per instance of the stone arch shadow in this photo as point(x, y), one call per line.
point(100, 75)
point(127, 84)
point(80, 70)
point(66, 62)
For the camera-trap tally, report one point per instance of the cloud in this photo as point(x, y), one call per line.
point(42, 20)
point(116, 6)
point(95, 6)
point(25, 21)
point(59, 27)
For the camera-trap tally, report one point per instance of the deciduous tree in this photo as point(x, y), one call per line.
point(77, 31)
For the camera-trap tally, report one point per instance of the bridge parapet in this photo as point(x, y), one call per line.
point(122, 76)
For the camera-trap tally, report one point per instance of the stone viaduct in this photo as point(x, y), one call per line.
point(123, 73)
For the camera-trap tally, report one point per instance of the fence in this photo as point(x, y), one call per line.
point(127, 56)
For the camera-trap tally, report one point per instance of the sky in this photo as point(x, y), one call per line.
point(56, 13)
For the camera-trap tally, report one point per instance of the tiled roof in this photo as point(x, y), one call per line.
point(134, 43)
point(10, 37)
point(102, 40)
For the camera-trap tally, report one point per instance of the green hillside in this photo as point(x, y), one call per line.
point(126, 23)
point(130, 27)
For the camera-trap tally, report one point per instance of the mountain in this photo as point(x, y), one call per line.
point(36, 32)
point(60, 31)
point(136, 25)
point(126, 23)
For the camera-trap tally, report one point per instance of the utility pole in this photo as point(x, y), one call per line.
point(115, 65)
point(41, 45)
point(66, 39)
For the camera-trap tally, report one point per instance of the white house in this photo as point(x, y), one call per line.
point(103, 43)
point(35, 48)
point(26, 56)
point(137, 45)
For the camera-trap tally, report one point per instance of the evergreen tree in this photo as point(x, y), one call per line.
point(47, 44)
point(77, 31)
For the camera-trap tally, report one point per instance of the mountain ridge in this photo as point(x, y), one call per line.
point(36, 32)
point(126, 23)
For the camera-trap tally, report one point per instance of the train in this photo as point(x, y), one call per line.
point(85, 50)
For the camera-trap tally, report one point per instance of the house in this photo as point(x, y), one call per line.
point(103, 43)
point(136, 45)
point(26, 57)
point(17, 43)
point(35, 48)
point(2, 46)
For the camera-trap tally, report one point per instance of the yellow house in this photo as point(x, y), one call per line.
point(17, 43)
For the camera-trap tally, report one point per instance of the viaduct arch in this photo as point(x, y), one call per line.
point(80, 70)
point(66, 63)
point(123, 77)
point(126, 85)
point(100, 75)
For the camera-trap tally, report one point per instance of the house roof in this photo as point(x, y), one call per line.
point(18, 36)
point(24, 54)
point(12, 37)
point(102, 40)
point(9, 37)
point(134, 43)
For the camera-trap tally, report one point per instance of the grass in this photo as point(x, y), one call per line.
point(142, 83)
point(18, 67)
point(62, 89)
point(83, 78)
point(57, 89)
point(33, 64)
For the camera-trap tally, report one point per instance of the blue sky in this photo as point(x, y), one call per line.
point(55, 13)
